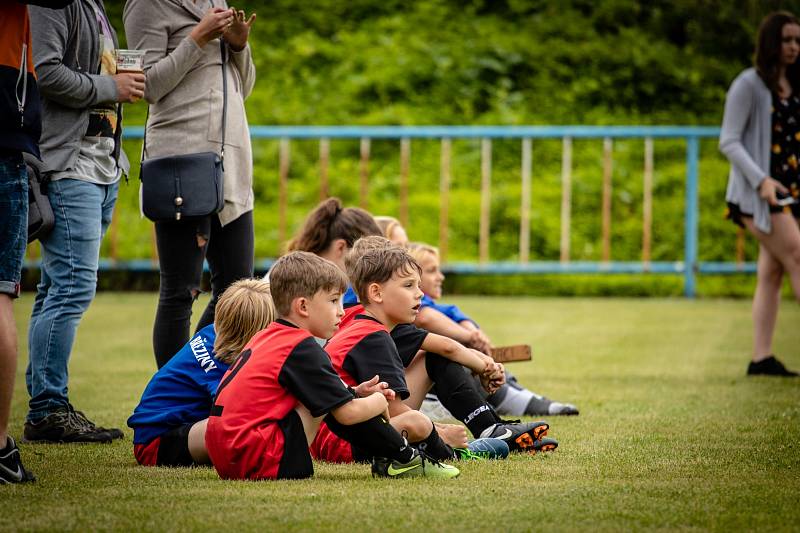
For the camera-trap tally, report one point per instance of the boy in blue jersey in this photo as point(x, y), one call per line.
point(169, 423)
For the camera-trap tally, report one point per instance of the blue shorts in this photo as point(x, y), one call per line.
point(13, 220)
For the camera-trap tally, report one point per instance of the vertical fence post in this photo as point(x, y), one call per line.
point(364, 193)
point(283, 188)
point(647, 207)
point(690, 236)
point(608, 148)
point(405, 158)
point(566, 196)
point(324, 160)
point(444, 197)
point(486, 199)
point(525, 205)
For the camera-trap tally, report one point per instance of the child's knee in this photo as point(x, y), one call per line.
point(417, 425)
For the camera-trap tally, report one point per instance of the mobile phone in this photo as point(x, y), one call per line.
point(789, 200)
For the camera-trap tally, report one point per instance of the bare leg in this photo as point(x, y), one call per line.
point(310, 424)
point(779, 253)
point(454, 435)
point(416, 425)
point(8, 362)
point(197, 443)
point(418, 381)
point(765, 303)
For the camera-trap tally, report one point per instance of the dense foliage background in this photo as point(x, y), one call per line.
point(492, 62)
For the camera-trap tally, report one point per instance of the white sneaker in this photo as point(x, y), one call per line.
point(433, 409)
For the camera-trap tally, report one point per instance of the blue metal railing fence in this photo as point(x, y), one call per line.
point(689, 267)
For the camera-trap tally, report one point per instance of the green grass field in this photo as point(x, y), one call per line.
point(671, 435)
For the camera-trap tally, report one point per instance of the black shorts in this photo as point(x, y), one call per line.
point(296, 459)
point(735, 214)
point(168, 449)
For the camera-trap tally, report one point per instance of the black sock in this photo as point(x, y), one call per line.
point(457, 392)
point(434, 446)
point(373, 438)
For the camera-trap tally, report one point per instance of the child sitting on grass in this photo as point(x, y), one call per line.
point(169, 423)
point(448, 320)
point(387, 283)
point(419, 428)
point(270, 403)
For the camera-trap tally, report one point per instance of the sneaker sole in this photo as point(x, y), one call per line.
point(51, 441)
point(547, 447)
point(527, 441)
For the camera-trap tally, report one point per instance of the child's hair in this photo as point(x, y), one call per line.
point(302, 275)
point(418, 250)
point(387, 225)
point(330, 221)
point(362, 246)
point(244, 309)
point(378, 266)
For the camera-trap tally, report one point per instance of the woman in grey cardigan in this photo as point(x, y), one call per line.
point(184, 88)
point(761, 138)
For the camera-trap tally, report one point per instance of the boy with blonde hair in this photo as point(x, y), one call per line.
point(169, 423)
point(270, 403)
point(511, 399)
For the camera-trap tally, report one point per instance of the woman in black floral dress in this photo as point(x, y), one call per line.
point(761, 138)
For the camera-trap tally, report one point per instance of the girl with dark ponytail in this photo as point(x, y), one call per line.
point(330, 230)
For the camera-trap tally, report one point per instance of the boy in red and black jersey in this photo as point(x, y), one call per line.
point(270, 403)
point(387, 283)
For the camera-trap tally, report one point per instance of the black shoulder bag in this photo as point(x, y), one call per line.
point(191, 185)
point(40, 212)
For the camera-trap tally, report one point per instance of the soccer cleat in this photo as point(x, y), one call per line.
point(520, 436)
point(545, 444)
point(11, 468)
point(483, 449)
point(770, 366)
point(65, 425)
point(421, 465)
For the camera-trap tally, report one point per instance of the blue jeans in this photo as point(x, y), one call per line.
point(13, 220)
point(70, 255)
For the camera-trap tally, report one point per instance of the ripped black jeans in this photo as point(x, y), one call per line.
point(182, 246)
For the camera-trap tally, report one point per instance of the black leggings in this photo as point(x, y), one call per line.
point(458, 392)
point(229, 252)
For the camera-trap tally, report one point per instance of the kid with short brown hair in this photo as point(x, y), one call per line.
point(387, 283)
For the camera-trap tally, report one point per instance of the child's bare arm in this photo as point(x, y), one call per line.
point(437, 322)
point(469, 325)
point(361, 409)
point(456, 352)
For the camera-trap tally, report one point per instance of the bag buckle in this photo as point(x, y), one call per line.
point(178, 203)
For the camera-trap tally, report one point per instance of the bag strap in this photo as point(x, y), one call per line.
point(224, 57)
